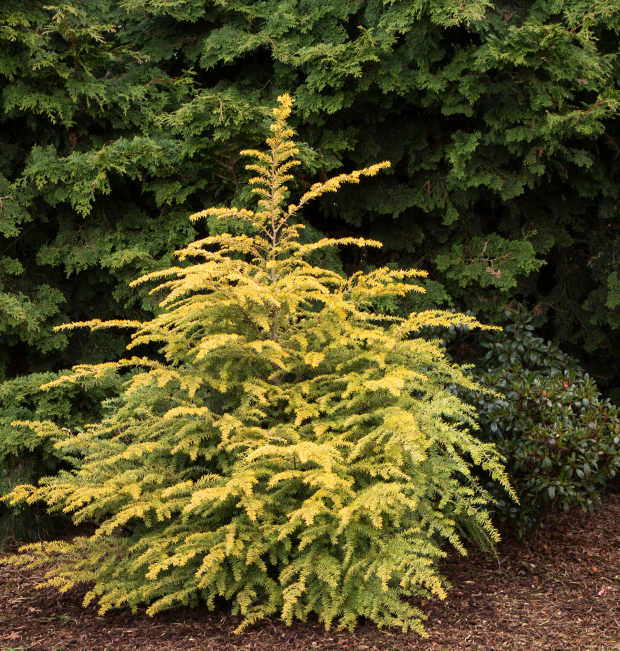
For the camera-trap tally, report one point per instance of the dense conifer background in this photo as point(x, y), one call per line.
point(118, 119)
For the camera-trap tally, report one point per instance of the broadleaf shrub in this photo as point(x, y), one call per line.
point(560, 436)
point(291, 449)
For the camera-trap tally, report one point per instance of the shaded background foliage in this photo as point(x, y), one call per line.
point(500, 118)
point(25, 457)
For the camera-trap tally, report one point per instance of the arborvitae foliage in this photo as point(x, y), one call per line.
point(119, 118)
point(290, 449)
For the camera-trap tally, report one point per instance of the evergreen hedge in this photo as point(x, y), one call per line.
point(117, 119)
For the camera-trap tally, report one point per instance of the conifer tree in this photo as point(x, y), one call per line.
point(290, 448)
point(118, 118)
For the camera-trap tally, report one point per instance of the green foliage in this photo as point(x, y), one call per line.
point(25, 457)
point(117, 119)
point(290, 449)
point(560, 438)
point(488, 262)
point(76, 101)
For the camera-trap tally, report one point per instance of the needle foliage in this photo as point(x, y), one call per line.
point(289, 448)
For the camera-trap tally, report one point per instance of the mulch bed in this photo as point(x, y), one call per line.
point(560, 591)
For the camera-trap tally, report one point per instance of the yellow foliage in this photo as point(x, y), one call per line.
point(291, 449)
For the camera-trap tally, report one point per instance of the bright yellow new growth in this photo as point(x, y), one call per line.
point(292, 449)
point(97, 324)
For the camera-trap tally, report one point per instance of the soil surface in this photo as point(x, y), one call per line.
point(560, 591)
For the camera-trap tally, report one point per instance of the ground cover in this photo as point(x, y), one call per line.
point(560, 591)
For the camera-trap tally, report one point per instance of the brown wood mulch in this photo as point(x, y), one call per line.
point(560, 591)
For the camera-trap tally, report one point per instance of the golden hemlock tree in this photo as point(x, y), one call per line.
point(290, 450)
